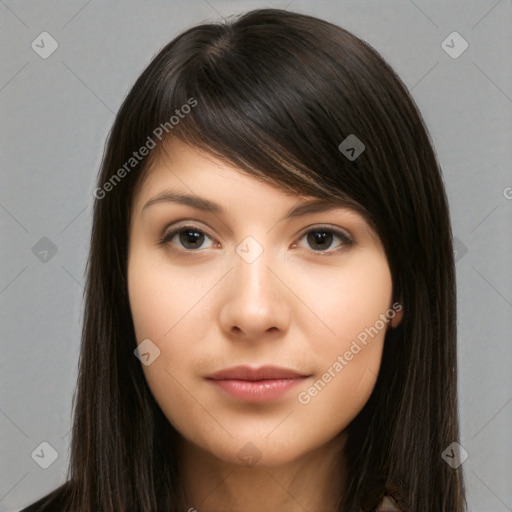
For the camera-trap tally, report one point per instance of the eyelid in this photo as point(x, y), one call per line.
point(346, 238)
point(168, 234)
point(337, 230)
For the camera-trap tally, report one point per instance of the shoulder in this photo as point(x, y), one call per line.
point(52, 502)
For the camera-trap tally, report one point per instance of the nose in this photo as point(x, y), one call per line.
point(255, 302)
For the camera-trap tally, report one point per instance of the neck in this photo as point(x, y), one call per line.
point(313, 481)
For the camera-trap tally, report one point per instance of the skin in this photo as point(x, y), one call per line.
point(299, 305)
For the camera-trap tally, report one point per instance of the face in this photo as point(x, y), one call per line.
point(262, 317)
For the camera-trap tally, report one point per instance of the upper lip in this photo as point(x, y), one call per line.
point(251, 373)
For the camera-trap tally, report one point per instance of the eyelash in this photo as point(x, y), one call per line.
point(345, 239)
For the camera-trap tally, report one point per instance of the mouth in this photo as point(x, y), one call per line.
point(256, 385)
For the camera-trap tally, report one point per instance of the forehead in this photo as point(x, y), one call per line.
point(197, 172)
point(184, 174)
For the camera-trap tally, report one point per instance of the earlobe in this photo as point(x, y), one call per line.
point(396, 321)
point(396, 318)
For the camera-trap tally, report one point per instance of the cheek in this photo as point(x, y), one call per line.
point(166, 309)
point(162, 298)
point(346, 302)
point(348, 336)
point(172, 308)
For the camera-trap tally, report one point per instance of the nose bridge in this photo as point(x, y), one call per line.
point(251, 267)
point(254, 281)
point(255, 301)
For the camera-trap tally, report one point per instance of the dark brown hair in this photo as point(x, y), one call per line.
point(275, 93)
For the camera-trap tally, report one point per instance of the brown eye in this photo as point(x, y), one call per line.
point(191, 239)
point(324, 239)
point(187, 238)
point(320, 240)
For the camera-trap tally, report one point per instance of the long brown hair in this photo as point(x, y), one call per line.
point(275, 93)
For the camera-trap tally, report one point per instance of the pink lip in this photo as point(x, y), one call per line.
point(256, 384)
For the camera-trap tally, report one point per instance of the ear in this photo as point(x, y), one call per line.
point(399, 313)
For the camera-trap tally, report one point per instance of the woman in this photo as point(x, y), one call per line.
point(270, 305)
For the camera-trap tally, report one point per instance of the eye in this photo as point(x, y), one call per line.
point(187, 238)
point(322, 239)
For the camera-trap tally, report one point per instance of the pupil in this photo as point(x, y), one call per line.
point(320, 238)
point(191, 238)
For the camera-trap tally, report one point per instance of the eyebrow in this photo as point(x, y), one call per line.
point(200, 203)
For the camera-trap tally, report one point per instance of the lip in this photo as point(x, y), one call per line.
point(256, 385)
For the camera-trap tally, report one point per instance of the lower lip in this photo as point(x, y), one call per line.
point(257, 391)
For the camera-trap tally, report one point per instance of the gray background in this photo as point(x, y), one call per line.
point(56, 114)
